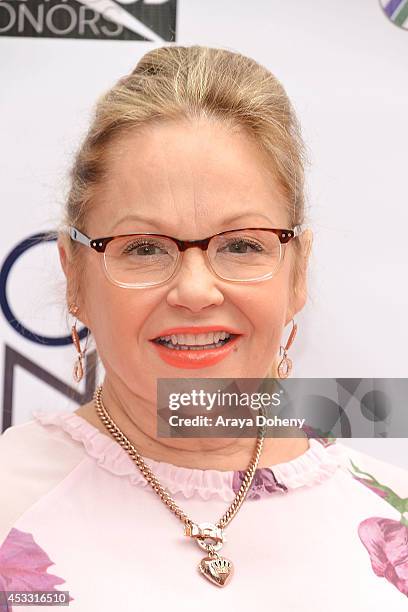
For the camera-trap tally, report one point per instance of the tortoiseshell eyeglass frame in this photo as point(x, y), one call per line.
point(100, 244)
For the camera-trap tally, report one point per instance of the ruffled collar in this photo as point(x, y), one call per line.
point(314, 466)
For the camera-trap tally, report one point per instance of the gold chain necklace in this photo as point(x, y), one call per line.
point(214, 567)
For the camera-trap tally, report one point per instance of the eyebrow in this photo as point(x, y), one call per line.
point(158, 224)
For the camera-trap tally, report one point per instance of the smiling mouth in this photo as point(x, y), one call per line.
point(184, 347)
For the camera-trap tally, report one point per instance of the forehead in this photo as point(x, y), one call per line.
point(187, 175)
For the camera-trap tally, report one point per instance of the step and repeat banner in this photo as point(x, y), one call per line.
point(343, 64)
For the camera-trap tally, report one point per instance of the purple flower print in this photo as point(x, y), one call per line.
point(264, 481)
point(386, 541)
point(23, 566)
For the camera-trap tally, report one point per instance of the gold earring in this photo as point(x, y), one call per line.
point(285, 365)
point(78, 371)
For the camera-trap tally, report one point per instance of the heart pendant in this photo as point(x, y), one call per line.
point(217, 570)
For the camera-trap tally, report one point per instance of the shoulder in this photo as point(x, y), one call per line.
point(27, 444)
point(33, 459)
point(371, 471)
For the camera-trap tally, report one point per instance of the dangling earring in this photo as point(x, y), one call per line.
point(78, 367)
point(285, 366)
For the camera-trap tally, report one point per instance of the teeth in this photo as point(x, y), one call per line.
point(196, 339)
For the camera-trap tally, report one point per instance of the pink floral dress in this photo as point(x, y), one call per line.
point(324, 532)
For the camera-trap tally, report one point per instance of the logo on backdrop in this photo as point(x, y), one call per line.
point(396, 11)
point(148, 20)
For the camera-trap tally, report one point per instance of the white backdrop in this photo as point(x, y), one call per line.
point(344, 65)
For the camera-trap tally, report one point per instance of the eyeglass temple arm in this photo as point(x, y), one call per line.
point(298, 229)
point(79, 236)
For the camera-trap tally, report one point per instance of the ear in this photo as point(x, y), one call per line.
point(63, 255)
point(299, 295)
point(72, 292)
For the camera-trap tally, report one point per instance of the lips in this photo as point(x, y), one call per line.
point(191, 359)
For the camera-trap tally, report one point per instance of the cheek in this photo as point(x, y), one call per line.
point(265, 304)
point(121, 316)
point(116, 314)
point(265, 307)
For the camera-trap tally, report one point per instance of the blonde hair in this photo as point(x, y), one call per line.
point(179, 82)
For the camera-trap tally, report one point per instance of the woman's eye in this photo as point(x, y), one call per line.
point(143, 248)
point(241, 246)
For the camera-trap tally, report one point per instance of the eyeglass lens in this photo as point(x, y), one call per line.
point(147, 260)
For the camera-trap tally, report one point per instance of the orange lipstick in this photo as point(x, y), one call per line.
point(193, 359)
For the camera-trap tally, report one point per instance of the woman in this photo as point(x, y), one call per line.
point(199, 153)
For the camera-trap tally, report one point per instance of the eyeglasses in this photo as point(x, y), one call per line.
point(145, 260)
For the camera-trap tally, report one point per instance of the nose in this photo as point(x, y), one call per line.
point(194, 285)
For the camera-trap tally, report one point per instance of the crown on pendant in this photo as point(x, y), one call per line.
point(218, 570)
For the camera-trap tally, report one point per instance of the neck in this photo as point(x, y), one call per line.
point(136, 417)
